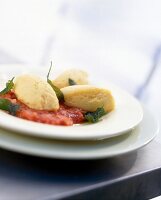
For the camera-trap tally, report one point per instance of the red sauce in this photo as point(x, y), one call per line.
point(64, 116)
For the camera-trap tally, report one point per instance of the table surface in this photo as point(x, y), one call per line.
point(26, 177)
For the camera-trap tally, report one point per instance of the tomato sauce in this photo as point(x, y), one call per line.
point(65, 115)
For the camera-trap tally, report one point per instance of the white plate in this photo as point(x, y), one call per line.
point(119, 145)
point(127, 115)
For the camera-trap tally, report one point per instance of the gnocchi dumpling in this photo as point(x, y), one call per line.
point(78, 76)
point(88, 97)
point(35, 93)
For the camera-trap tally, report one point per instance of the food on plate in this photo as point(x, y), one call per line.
point(71, 77)
point(35, 93)
point(88, 97)
point(63, 116)
point(70, 101)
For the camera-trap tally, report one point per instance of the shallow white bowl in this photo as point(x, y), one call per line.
point(127, 115)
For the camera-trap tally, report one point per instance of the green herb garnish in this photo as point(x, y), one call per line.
point(6, 105)
point(9, 86)
point(94, 117)
point(71, 82)
point(58, 92)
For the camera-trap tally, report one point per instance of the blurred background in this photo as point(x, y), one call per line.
point(120, 40)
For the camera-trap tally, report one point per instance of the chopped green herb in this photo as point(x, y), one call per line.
point(9, 86)
point(71, 82)
point(6, 105)
point(58, 92)
point(94, 117)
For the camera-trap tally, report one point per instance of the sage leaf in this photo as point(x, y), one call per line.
point(58, 92)
point(9, 86)
point(6, 105)
point(71, 82)
point(94, 117)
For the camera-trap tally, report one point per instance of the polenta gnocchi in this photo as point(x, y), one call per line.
point(78, 76)
point(88, 97)
point(35, 93)
point(65, 100)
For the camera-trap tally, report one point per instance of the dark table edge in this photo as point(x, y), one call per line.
point(139, 186)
